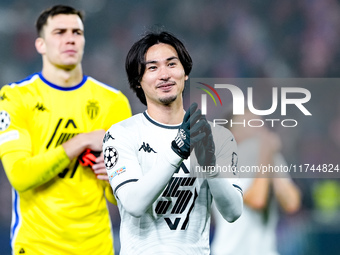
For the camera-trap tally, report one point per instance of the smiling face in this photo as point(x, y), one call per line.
point(164, 76)
point(62, 42)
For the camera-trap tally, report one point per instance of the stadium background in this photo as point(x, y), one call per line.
point(254, 38)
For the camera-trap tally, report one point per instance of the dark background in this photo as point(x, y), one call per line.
point(237, 39)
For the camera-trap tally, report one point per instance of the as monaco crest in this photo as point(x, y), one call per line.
point(92, 109)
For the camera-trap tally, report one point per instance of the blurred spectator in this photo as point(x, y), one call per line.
point(267, 38)
point(255, 231)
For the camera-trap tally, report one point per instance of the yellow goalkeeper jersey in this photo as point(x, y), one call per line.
point(59, 206)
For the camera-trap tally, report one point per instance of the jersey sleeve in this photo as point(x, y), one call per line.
point(225, 186)
point(120, 157)
point(226, 156)
point(14, 134)
point(23, 170)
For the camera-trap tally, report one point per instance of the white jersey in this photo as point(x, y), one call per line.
point(255, 231)
point(178, 222)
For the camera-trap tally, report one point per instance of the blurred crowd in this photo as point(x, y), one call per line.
point(241, 39)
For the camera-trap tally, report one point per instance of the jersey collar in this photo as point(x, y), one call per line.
point(147, 116)
point(62, 88)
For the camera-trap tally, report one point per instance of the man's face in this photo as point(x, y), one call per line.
point(164, 76)
point(62, 42)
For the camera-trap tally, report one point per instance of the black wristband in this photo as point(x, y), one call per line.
point(177, 150)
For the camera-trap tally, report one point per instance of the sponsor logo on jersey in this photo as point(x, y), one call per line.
point(64, 136)
point(3, 97)
point(116, 172)
point(178, 200)
point(107, 137)
point(146, 147)
point(110, 157)
point(40, 107)
point(180, 138)
point(92, 109)
point(5, 120)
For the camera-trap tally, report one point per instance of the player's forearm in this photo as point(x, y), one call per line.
point(25, 172)
point(228, 199)
point(256, 196)
point(287, 194)
point(75, 146)
point(137, 197)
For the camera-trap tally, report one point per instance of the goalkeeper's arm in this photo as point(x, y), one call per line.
point(26, 172)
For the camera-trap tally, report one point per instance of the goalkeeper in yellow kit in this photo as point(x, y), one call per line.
point(46, 122)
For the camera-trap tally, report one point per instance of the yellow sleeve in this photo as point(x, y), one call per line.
point(109, 193)
point(15, 136)
point(25, 172)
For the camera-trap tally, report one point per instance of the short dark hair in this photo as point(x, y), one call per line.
point(135, 59)
point(55, 10)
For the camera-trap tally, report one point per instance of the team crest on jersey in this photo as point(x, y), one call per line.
point(5, 120)
point(92, 109)
point(119, 171)
point(110, 157)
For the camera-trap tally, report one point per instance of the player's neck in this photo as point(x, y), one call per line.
point(166, 114)
point(62, 77)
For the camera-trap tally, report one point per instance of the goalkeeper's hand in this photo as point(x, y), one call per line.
point(94, 160)
point(88, 157)
point(189, 133)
